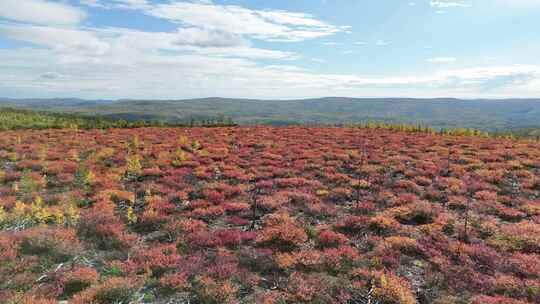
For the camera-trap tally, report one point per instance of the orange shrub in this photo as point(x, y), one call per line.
point(383, 224)
point(113, 290)
point(215, 292)
point(280, 229)
point(391, 289)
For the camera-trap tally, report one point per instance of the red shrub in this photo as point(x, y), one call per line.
point(176, 281)
point(185, 226)
point(79, 279)
point(526, 265)
point(352, 224)
point(236, 207)
point(495, 300)
point(273, 202)
point(100, 225)
point(154, 260)
point(222, 237)
point(208, 213)
point(341, 257)
point(328, 238)
point(237, 221)
point(214, 196)
point(315, 288)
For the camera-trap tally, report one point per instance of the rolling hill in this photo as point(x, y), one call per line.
point(488, 115)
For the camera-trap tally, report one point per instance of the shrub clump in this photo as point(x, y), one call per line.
point(111, 291)
point(281, 230)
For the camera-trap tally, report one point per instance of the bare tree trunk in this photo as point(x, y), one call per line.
point(449, 161)
point(357, 198)
point(254, 208)
point(466, 233)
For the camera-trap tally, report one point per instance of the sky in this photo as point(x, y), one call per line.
point(279, 49)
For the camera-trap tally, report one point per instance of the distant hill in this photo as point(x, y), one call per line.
point(487, 115)
point(19, 118)
point(56, 102)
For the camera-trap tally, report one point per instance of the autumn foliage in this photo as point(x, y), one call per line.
point(267, 215)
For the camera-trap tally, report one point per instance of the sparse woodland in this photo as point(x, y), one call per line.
point(267, 215)
point(18, 119)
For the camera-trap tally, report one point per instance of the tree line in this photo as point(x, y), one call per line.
point(14, 119)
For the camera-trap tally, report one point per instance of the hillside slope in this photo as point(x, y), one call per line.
point(267, 215)
point(488, 115)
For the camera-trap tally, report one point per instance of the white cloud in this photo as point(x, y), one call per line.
point(207, 38)
point(448, 4)
point(40, 12)
point(50, 75)
point(188, 40)
point(58, 39)
point(116, 4)
point(93, 3)
point(491, 72)
point(210, 53)
point(259, 24)
point(140, 73)
point(300, 19)
point(442, 59)
point(248, 52)
point(488, 8)
point(98, 44)
point(492, 78)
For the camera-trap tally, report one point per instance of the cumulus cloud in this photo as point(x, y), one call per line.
point(203, 24)
point(207, 38)
point(41, 12)
point(259, 24)
point(211, 52)
point(248, 52)
point(140, 74)
point(275, 25)
point(491, 74)
point(59, 39)
point(94, 44)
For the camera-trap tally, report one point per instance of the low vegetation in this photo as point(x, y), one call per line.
point(268, 215)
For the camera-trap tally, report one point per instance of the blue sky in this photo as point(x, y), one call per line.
point(269, 49)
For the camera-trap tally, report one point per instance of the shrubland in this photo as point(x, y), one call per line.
point(268, 215)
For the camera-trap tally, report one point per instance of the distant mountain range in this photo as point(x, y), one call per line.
point(488, 115)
